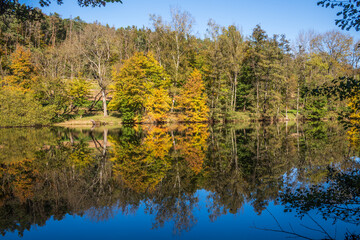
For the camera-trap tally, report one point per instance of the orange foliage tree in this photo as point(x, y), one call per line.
point(192, 100)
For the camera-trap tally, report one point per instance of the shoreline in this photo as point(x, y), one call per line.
point(115, 124)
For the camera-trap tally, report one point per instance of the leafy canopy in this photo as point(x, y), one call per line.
point(82, 3)
point(350, 12)
point(140, 83)
point(24, 12)
point(22, 69)
point(192, 100)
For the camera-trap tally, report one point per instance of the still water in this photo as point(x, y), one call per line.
point(181, 182)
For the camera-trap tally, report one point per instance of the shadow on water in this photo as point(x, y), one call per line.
point(53, 172)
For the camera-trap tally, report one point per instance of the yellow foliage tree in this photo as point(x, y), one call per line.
point(192, 100)
point(22, 69)
point(353, 104)
point(353, 132)
point(157, 105)
point(78, 91)
point(140, 89)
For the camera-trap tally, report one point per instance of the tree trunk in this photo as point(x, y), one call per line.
point(104, 102)
point(257, 97)
point(297, 104)
point(172, 105)
point(105, 141)
point(235, 86)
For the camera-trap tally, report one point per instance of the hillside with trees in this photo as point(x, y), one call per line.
point(54, 69)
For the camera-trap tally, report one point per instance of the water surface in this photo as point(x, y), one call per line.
point(183, 182)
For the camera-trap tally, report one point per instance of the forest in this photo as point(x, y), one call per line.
point(54, 69)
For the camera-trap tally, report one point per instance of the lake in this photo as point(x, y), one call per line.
point(195, 181)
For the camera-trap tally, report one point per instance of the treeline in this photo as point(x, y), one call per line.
point(65, 67)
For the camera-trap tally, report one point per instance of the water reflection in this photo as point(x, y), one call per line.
point(97, 173)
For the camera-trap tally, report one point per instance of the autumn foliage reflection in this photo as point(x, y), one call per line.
point(192, 145)
point(141, 162)
point(97, 173)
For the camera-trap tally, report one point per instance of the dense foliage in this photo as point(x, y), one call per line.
point(72, 66)
point(350, 12)
point(140, 89)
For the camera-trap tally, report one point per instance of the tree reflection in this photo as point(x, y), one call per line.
point(96, 173)
point(192, 145)
point(141, 161)
point(338, 199)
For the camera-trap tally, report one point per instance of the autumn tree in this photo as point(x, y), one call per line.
point(192, 100)
point(78, 91)
point(18, 106)
point(175, 39)
point(157, 105)
point(22, 70)
point(334, 49)
point(141, 89)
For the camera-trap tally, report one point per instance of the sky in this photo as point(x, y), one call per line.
point(287, 17)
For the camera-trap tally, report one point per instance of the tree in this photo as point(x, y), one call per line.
point(192, 100)
point(350, 11)
point(288, 79)
point(257, 64)
point(315, 108)
point(139, 84)
point(175, 39)
point(334, 49)
point(217, 87)
point(78, 91)
point(95, 45)
point(18, 108)
point(157, 105)
point(231, 44)
point(23, 12)
point(22, 70)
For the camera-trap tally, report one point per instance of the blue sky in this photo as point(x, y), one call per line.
point(287, 17)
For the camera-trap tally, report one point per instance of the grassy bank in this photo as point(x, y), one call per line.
point(234, 117)
point(86, 121)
